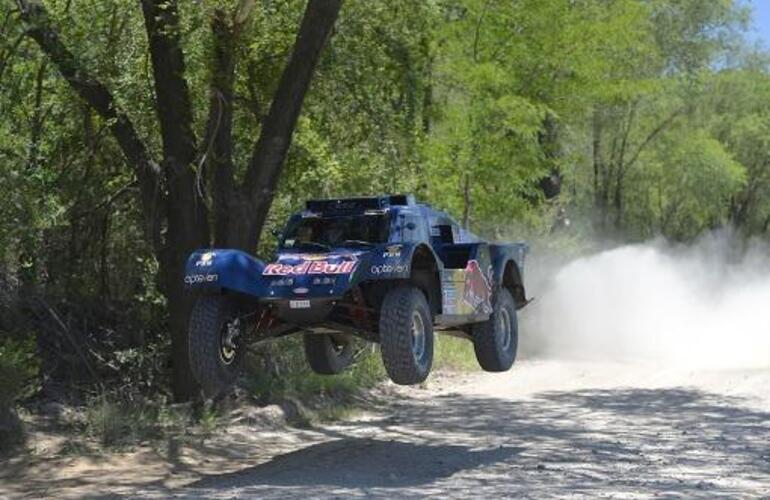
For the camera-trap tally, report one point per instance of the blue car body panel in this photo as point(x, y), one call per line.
point(216, 269)
point(324, 275)
point(470, 269)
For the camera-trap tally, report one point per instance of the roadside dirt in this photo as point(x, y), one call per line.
point(545, 429)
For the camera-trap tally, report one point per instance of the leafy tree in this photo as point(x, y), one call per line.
point(173, 205)
point(686, 186)
point(650, 115)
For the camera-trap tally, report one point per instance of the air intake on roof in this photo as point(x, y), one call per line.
point(352, 205)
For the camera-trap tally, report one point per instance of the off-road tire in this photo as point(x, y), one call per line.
point(323, 356)
point(493, 353)
point(402, 364)
point(209, 316)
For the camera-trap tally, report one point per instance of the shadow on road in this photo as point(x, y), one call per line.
point(363, 463)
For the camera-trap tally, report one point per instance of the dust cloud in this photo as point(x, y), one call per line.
point(702, 306)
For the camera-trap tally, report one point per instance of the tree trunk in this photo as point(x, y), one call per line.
point(548, 139)
point(232, 213)
point(219, 143)
point(270, 151)
point(188, 228)
point(617, 199)
point(600, 198)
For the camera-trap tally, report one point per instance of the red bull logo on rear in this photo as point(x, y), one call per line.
point(478, 292)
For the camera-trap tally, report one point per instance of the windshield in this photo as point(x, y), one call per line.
point(325, 233)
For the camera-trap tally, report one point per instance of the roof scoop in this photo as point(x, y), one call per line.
point(358, 205)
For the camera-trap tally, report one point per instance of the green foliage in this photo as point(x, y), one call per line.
point(454, 354)
point(19, 367)
point(140, 369)
point(688, 188)
point(116, 421)
point(736, 110)
point(655, 113)
point(113, 423)
point(18, 379)
point(290, 375)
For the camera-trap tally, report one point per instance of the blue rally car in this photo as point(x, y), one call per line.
point(385, 269)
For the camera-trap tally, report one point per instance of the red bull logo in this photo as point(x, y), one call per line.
point(478, 292)
point(310, 267)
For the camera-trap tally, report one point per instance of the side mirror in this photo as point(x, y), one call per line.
point(411, 226)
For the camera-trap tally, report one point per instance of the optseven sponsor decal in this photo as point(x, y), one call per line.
point(310, 267)
point(194, 279)
point(389, 269)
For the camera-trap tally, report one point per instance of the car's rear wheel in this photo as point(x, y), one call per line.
point(328, 354)
point(406, 335)
point(496, 340)
point(215, 336)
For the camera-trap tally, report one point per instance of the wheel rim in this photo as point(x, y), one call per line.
point(338, 347)
point(228, 339)
point(418, 335)
point(505, 329)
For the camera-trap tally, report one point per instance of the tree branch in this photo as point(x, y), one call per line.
point(627, 131)
point(6, 56)
point(477, 33)
point(106, 203)
point(651, 136)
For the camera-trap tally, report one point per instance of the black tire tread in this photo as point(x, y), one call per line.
point(485, 342)
point(206, 319)
point(321, 357)
point(396, 338)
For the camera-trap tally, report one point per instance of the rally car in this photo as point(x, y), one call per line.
point(385, 269)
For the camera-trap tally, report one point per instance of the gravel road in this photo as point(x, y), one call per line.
point(545, 429)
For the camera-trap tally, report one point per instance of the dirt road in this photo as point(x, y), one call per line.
point(545, 429)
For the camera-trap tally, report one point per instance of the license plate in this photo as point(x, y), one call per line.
point(299, 304)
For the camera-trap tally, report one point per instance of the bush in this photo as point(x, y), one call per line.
point(109, 421)
point(285, 373)
point(18, 379)
point(288, 374)
point(117, 422)
point(18, 370)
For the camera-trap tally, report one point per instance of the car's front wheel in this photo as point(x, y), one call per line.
point(215, 336)
point(328, 354)
point(406, 335)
